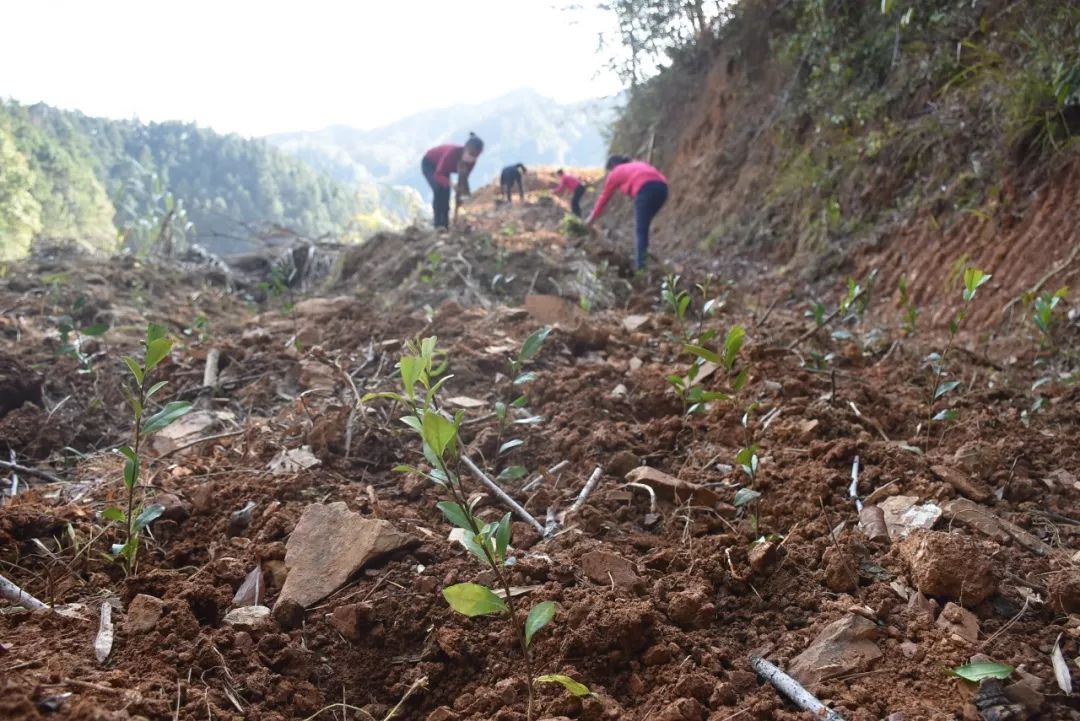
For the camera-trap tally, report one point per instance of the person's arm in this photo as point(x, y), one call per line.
point(605, 196)
point(561, 186)
point(463, 170)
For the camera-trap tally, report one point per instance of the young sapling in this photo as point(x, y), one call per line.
point(519, 377)
point(135, 518)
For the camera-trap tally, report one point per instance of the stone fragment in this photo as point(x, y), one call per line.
point(607, 568)
point(251, 591)
point(949, 565)
point(903, 515)
point(964, 484)
point(970, 514)
point(353, 620)
point(634, 322)
point(844, 646)
point(762, 555)
point(634, 364)
point(622, 463)
point(288, 613)
point(960, 622)
point(328, 545)
point(247, 618)
point(143, 614)
point(293, 460)
point(691, 608)
point(672, 488)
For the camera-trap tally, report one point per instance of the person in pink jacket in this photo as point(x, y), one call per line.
point(646, 186)
point(573, 185)
point(437, 166)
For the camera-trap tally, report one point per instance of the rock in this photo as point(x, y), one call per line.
point(188, 428)
point(466, 402)
point(844, 646)
point(960, 622)
point(551, 309)
point(143, 614)
point(1064, 590)
point(1025, 695)
point(353, 620)
point(443, 713)
point(176, 508)
point(634, 322)
point(982, 519)
point(622, 463)
point(607, 568)
point(807, 429)
point(920, 605)
point(672, 488)
point(902, 515)
point(909, 649)
point(977, 458)
point(949, 565)
point(762, 555)
point(963, 483)
point(656, 655)
point(328, 545)
point(288, 613)
point(293, 461)
point(247, 617)
point(634, 364)
point(690, 608)
point(619, 391)
point(251, 590)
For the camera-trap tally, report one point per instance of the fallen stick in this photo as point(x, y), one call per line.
point(792, 689)
point(210, 372)
point(503, 495)
point(18, 596)
point(853, 489)
point(585, 491)
point(44, 475)
point(540, 476)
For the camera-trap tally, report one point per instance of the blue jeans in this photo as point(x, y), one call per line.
point(648, 202)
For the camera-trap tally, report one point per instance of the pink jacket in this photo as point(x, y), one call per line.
point(568, 183)
point(446, 159)
point(628, 178)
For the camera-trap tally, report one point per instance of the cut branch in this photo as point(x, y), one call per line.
point(792, 689)
point(502, 495)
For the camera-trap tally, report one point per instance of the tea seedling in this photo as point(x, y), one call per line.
point(72, 333)
point(910, 311)
point(693, 395)
point(529, 348)
point(939, 387)
point(489, 542)
point(674, 298)
point(136, 518)
point(1043, 315)
point(573, 226)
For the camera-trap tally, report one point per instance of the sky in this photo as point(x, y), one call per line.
point(257, 68)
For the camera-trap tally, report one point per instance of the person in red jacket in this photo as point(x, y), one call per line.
point(573, 185)
point(649, 190)
point(437, 166)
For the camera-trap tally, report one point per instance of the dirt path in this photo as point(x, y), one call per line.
point(659, 607)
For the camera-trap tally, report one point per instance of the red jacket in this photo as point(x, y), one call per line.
point(628, 177)
point(446, 159)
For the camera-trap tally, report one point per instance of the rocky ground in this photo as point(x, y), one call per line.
point(294, 574)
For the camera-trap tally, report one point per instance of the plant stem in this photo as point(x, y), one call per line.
point(937, 383)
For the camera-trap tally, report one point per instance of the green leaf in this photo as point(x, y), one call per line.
point(372, 396)
point(113, 514)
point(438, 432)
point(165, 416)
point(510, 445)
point(574, 687)
point(131, 473)
point(513, 473)
point(413, 422)
point(540, 616)
point(455, 514)
point(126, 452)
point(733, 343)
point(155, 332)
point(472, 599)
point(746, 455)
point(979, 670)
point(703, 353)
point(519, 402)
point(949, 414)
point(155, 388)
point(740, 380)
point(526, 377)
point(135, 368)
point(502, 536)
point(411, 367)
point(533, 343)
point(147, 516)
point(155, 352)
point(500, 410)
point(95, 329)
point(744, 496)
point(945, 388)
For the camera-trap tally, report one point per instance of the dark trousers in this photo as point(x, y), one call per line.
point(508, 181)
point(575, 200)
point(648, 202)
point(440, 195)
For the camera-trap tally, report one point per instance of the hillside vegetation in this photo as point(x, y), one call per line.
point(522, 126)
point(102, 183)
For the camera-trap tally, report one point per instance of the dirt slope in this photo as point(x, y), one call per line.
point(659, 606)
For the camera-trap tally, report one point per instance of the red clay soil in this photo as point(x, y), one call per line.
point(658, 608)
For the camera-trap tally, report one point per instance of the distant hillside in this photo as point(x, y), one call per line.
point(64, 175)
point(522, 126)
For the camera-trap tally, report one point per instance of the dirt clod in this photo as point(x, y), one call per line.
point(143, 614)
point(951, 566)
point(844, 646)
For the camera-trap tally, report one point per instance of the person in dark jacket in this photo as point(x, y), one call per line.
point(573, 185)
point(513, 175)
point(646, 186)
point(439, 164)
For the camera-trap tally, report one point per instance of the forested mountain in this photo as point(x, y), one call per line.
point(104, 182)
point(522, 126)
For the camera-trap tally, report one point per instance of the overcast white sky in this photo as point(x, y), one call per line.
point(274, 65)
